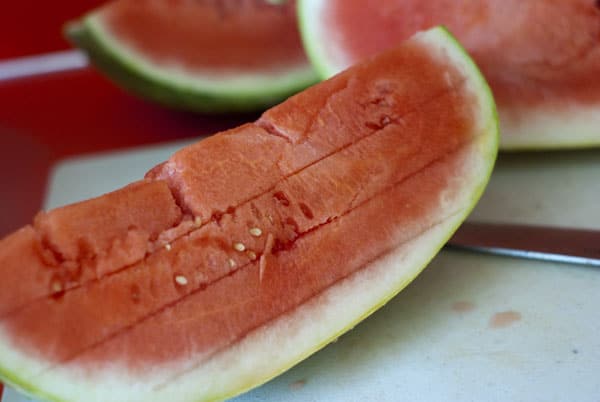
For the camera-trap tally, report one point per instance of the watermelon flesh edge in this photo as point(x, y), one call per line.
point(325, 184)
point(543, 75)
point(182, 79)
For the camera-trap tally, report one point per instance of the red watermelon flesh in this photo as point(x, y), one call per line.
point(541, 58)
point(224, 36)
point(241, 229)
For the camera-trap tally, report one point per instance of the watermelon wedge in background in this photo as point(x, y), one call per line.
point(209, 56)
point(248, 251)
point(541, 58)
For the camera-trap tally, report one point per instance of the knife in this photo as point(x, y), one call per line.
point(31, 66)
point(565, 245)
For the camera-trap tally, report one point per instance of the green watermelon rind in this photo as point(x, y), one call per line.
point(18, 382)
point(307, 18)
point(201, 92)
point(482, 153)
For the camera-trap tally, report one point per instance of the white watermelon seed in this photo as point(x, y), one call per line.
point(256, 232)
point(181, 280)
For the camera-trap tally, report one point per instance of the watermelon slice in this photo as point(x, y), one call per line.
point(210, 56)
point(248, 251)
point(541, 58)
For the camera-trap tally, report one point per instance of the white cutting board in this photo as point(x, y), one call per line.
point(471, 327)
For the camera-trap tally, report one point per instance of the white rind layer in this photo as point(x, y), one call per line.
point(270, 350)
point(548, 127)
point(327, 60)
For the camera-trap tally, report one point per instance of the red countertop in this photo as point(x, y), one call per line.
point(33, 26)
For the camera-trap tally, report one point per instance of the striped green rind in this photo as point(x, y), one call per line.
point(206, 91)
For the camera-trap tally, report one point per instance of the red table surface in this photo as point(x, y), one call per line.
point(34, 26)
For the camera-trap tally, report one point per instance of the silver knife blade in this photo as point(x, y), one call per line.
point(566, 245)
point(30, 66)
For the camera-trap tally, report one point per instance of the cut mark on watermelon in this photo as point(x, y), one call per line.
point(271, 129)
point(315, 117)
point(287, 248)
point(188, 222)
point(375, 131)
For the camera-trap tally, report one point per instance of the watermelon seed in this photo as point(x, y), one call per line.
point(239, 247)
point(56, 286)
point(168, 247)
point(256, 232)
point(262, 264)
point(231, 263)
point(306, 211)
point(293, 224)
point(181, 280)
point(198, 221)
point(251, 254)
point(282, 198)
